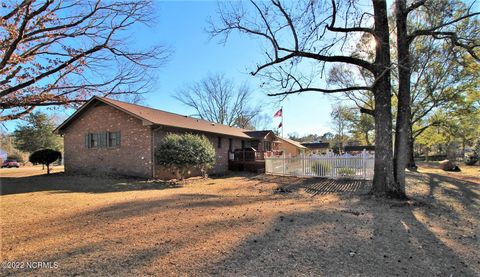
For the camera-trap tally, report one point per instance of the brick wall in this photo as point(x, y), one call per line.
point(289, 149)
point(221, 164)
point(133, 157)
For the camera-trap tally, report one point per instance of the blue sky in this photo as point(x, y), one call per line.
point(181, 26)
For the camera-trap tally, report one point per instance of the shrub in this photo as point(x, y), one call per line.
point(319, 166)
point(183, 152)
point(16, 155)
point(45, 157)
point(345, 171)
point(476, 147)
point(471, 158)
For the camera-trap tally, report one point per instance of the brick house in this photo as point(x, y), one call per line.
point(115, 137)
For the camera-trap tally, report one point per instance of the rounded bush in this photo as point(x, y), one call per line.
point(184, 152)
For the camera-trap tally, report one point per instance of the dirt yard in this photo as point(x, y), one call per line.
point(244, 225)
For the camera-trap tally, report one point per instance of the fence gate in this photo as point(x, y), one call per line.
point(330, 165)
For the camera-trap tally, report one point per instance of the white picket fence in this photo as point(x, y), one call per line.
point(330, 166)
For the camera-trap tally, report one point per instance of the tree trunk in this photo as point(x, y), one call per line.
point(411, 160)
point(48, 169)
point(383, 181)
point(403, 127)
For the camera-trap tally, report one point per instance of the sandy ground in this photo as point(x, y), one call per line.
point(238, 226)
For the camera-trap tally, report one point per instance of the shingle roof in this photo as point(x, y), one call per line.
point(258, 134)
point(295, 143)
point(159, 117)
point(316, 145)
point(359, 148)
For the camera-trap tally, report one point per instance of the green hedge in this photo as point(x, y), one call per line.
point(319, 166)
point(183, 152)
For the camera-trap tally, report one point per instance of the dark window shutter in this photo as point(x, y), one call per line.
point(118, 139)
point(109, 139)
point(96, 135)
point(104, 139)
point(100, 140)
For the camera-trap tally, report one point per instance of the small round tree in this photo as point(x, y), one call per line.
point(45, 157)
point(183, 152)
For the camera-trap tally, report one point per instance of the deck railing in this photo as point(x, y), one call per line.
point(247, 156)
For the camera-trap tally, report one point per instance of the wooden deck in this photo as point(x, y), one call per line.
point(257, 166)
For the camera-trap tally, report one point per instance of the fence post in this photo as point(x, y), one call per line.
point(303, 164)
point(364, 161)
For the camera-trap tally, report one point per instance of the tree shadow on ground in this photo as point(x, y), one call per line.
point(449, 194)
point(61, 182)
point(317, 186)
point(122, 238)
point(370, 239)
point(363, 236)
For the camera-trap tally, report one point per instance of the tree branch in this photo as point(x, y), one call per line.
point(320, 90)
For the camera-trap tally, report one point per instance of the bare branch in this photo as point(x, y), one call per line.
point(64, 52)
point(320, 90)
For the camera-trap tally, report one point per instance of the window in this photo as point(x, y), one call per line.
point(102, 139)
point(93, 140)
point(267, 146)
point(219, 142)
point(113, 139)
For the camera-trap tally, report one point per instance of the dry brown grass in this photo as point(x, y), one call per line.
point(239, 225)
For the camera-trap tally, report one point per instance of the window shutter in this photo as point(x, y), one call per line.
point(118, 139)
point(109, 137)
point(97, 138)
point(104, 139)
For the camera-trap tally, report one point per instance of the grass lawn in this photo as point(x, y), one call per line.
point(239, 225)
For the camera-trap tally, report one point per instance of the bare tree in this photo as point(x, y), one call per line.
point(439, 20)
point(216, 98)
point(262, 121)
point(315, 35)
point(439, 77)
point(62, 52)
point(341, 116)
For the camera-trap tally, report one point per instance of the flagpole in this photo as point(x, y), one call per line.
point(282, 121)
